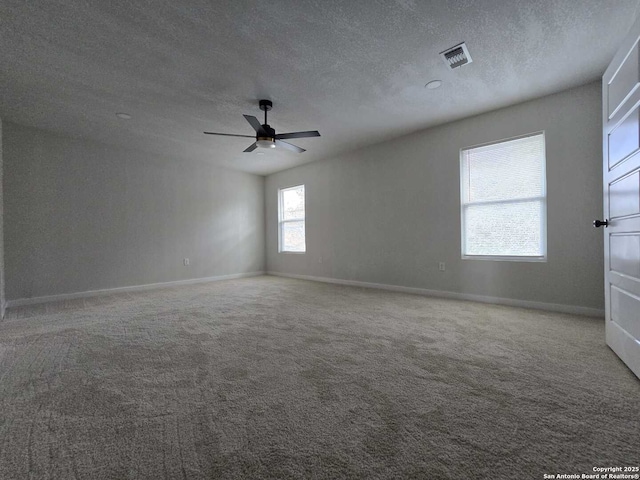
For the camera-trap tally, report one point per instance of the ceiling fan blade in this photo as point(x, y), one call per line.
point(229, 135)
point(313, 133)
point(251, 147)
point(289, 146)
point(253, 121)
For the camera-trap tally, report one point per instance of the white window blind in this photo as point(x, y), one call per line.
point(291, 213)
point(503, 189)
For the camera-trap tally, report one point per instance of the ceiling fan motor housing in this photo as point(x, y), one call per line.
point(267, 137)
point(267, 131)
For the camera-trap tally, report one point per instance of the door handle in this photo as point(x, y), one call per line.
point(600, 223)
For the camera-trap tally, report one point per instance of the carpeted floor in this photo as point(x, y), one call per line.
point(276, 378)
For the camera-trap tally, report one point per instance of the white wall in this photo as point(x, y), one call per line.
point(83, 216)
point(390, 212)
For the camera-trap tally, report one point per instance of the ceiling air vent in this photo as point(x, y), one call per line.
point(456, 56)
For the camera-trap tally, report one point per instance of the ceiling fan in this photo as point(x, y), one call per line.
point(266, 136)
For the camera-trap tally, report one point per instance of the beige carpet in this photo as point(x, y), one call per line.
point(277, 378)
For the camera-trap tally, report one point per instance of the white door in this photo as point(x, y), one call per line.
point(621, 182)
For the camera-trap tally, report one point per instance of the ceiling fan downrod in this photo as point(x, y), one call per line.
point(265, 106)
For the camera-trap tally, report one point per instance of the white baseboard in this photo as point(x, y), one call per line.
point(134, 288)
point(550, 307)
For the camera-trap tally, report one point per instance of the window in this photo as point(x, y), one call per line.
point(503, 193)
point(291, 219)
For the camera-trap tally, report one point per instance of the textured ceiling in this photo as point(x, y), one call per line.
point(355, 70)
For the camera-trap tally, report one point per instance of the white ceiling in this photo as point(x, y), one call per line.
point(355, 70)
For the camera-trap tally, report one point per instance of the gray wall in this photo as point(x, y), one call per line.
point(390, 212)
point(2, 296)
point(83, 216)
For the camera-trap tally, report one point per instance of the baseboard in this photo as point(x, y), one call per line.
point(550, 307)
point(134, 288)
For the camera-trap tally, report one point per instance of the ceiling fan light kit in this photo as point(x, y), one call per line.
point(266, 142)
point(266, 136)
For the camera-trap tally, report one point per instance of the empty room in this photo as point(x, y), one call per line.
point(319, 240)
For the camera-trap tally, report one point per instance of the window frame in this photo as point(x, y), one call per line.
point(542, 199)
point(281, 221)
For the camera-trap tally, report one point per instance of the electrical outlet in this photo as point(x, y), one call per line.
point(186, 262)
point(441, 266)
point(320, 259)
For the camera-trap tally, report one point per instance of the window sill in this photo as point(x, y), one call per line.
point(500, 258)
point(292, 253)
